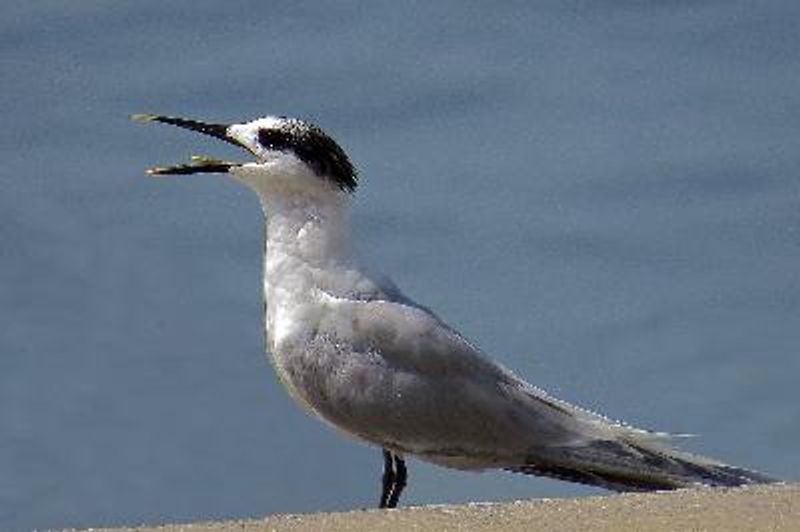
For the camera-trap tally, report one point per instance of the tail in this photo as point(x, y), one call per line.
point(635, 461)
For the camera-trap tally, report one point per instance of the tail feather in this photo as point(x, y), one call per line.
point(635, 466)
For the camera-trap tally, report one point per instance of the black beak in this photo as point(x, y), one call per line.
point(199, 164)
point(219, 131)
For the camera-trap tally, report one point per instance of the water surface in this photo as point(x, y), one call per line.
point(604, 196)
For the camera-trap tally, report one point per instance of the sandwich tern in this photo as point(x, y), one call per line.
point(363, 357)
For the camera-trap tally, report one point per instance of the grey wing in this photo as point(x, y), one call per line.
point(406, 381)
point(402, 379)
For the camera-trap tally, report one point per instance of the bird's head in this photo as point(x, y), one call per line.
point(291, 156)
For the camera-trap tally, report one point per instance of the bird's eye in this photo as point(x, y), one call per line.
point(274, 139)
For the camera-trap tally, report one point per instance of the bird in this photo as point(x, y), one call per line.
point(353, 350)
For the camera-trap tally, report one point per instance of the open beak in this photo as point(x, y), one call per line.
point(200, 164)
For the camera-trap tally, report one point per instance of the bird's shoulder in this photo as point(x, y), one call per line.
point(407, 335)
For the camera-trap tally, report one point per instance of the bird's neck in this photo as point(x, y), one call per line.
point(306, 232)
point(306, 252)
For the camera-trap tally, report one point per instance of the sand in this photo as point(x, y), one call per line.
point(760, 508)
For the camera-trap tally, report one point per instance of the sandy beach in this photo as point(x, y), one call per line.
point(759, 508)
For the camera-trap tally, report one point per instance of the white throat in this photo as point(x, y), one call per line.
point(304, 229)
point(306, 260)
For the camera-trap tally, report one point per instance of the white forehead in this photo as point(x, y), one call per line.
point(268, 122)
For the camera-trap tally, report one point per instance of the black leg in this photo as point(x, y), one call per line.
point(401, 475)
point(388, 479)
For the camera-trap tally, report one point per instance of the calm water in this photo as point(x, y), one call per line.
point(603, 195)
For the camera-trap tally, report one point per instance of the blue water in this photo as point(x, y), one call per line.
point(605, 196)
